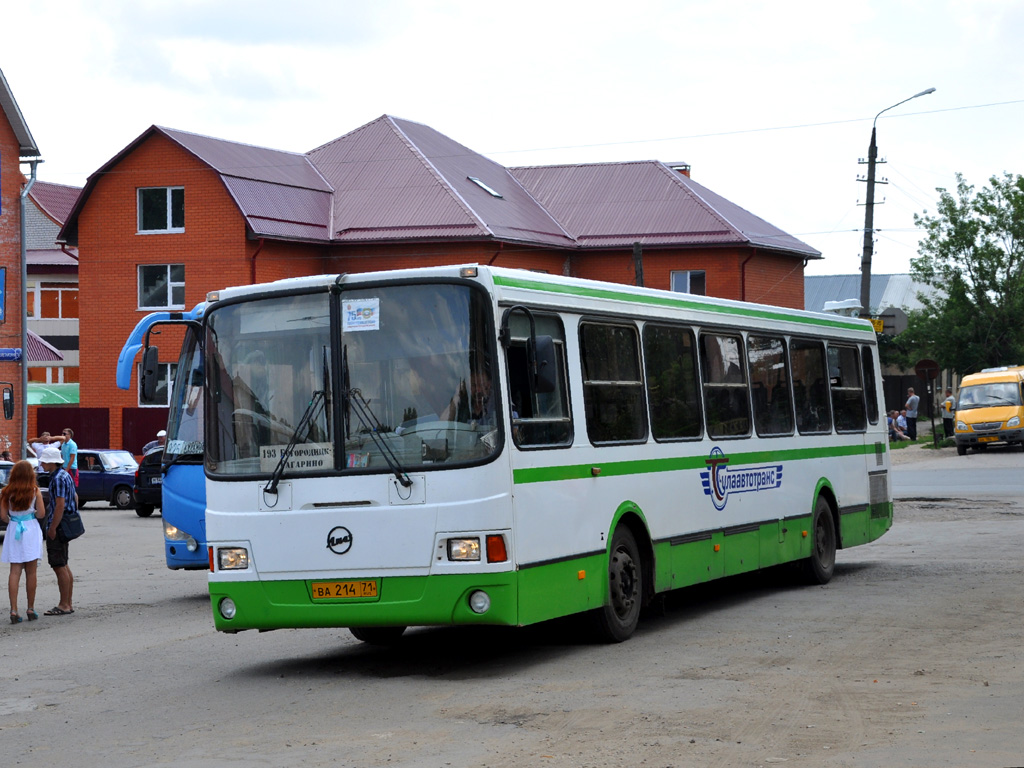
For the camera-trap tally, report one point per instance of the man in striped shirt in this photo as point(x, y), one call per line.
point(63, 498)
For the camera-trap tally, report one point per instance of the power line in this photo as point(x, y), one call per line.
point(753, 130)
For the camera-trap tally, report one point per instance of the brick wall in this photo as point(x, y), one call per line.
point(11, 181)
point(213, 248)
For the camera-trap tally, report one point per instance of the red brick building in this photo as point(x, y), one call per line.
point(16, 146)
point(175, 215)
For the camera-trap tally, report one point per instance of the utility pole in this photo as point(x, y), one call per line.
point(638, 264)
point(869, 212)
point(869, 226)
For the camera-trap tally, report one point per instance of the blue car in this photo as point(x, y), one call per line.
point(106, 475)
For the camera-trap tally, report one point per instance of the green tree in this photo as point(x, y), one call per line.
point(973, 254)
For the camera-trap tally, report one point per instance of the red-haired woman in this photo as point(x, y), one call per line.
point(21, 507)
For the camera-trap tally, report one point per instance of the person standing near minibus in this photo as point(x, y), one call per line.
point(911, 407)
point(948, 413)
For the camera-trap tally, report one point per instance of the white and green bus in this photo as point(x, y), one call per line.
point(473, 445)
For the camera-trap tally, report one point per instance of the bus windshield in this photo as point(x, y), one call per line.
point(414, 377)
point(185, 419)
point(988, 395)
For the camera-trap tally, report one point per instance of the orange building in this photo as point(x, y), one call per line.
point(175, 215)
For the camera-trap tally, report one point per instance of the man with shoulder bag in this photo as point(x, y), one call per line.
point(62, 524)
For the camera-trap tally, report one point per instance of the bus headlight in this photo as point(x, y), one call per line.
point(464, 549)
point(961, 426)
point(1014, 422)
point(233, 558)
point(479, 601)
point(191, 544)
point(174, 534)
point(227, 608)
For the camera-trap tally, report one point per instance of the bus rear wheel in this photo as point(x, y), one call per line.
point(818, 568)
point(377, 635)
point(617, 619)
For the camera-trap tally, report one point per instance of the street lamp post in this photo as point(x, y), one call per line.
point(869, 211)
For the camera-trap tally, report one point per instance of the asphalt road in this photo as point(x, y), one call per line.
point(942, 474)
point(912, 655)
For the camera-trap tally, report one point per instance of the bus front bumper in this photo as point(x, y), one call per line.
point(975, 439)
point(400, 601)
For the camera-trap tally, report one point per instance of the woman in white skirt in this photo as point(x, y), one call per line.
point(21, 507)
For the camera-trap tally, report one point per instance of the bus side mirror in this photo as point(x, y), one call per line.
point(149, 373)
point(544, 355)
point(8, 403)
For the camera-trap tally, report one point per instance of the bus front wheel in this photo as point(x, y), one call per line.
point(818, 568)
point(377, 635)
point(618, 618)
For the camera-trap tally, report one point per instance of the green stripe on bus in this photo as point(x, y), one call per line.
point(666, 301)
point(675, 464)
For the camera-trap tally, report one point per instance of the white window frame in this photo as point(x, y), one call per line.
point(680, 281)
point(169, 213)
point(171, 285)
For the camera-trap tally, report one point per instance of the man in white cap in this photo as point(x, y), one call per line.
point(63, 498)
point(161, 440)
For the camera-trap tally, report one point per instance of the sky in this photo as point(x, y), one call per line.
point(772, 104)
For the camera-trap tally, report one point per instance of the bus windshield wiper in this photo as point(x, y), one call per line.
point(315, 403)
point(371, 424)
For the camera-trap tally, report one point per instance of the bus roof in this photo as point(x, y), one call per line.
point(560, 290)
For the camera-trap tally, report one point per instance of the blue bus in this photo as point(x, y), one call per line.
point(184, 484)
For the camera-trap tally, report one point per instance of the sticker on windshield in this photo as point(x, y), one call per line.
point(184, 447)
point(361, 315)
point(305, 458)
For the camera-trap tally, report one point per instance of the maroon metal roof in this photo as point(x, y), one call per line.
point(618, 204)
point(396, 179)
point(55, 200)
point(39, 351)
point(50, 257)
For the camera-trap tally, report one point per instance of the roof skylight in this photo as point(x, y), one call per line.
point(483, 186)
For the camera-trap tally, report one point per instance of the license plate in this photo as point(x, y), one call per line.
point(343, 590)
point(987, 439)
point(155, 480)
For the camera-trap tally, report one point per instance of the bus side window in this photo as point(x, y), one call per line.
point(870, 390)
point(673, 395)
point(539, 419)
point(769, 375)
point(847, 390)
point(613, 388)
point(726, 398)
point(810, 395)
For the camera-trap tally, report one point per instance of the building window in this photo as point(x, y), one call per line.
point(52, 300)
point(689, 281)
point(162, 286)
point(162, 209)
point(164, 385)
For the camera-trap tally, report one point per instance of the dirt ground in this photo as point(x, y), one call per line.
point(911, 656)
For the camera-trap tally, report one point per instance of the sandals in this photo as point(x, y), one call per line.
point(15, 618)
point(57, 611)
point(32, 615)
